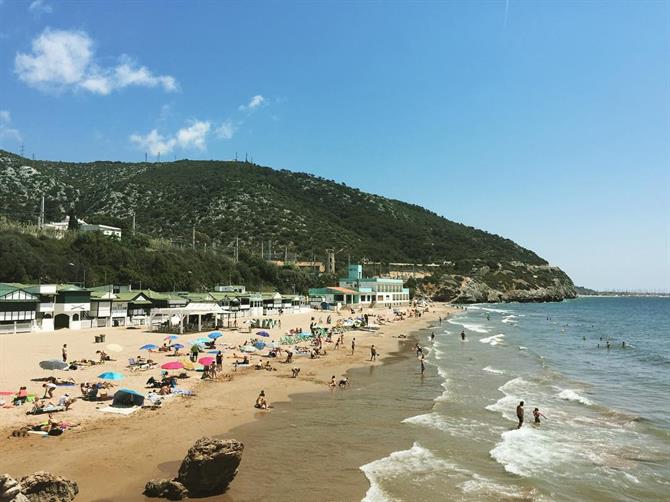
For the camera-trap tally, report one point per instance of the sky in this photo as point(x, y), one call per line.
point(545, 122)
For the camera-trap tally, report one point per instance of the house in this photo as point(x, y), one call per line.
point(272, 303)
point(231, 288)
point(62, 226)
point(18, 308)
point(44, 318)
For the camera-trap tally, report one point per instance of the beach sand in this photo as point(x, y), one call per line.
point(112, 457)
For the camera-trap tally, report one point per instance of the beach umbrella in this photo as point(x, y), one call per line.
point(206, 361)
point(172, 365)
point(53, 364)
point(215, 334)
point(149, 346)
point(111, 375)
point(263, 333)
point(248, 348)
point(202, 340)
point(7, 392)
point(177, 346)
point(171, 337)
point(259, 345)
point(127, 397)
point(114, 347)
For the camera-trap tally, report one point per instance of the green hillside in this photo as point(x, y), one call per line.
point(225, 200)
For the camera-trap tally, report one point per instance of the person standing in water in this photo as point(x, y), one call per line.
point(519, 414)
point(537, 415)
point(423, 365)
point(432, 336)
point(373, 353)
point(463, 335)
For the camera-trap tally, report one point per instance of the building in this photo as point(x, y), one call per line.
point(18, 308)
point(231, 288)
point(363, 291)
point(375, 290)
point(62, 226)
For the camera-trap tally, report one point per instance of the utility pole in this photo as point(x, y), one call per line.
point(270, 249)
point(193, 239)
point(41, 225)
point(237, 249)
point(145, 157)
point(158, 157)
point(285, 255)
point(262, 249)
point(21, 149)
point(133, 223)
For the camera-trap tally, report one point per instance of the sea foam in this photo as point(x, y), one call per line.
point(493, 340)
point(488, 369)
point(416, 462)
point(477, 328)
point(571, 395)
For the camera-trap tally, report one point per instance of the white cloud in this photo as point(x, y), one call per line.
point(255, 102)
point(62, 60)
point(6, 129)
point(39, 7)
point(226, 130)
point(191, 137)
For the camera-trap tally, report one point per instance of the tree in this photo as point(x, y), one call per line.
point(73, 223)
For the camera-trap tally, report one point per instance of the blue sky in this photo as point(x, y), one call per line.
point(545, 122)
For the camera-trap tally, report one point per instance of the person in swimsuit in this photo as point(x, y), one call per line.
point(519, 414)
point(463, 335)
point(537, 415)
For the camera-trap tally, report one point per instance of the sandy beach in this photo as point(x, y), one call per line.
point(111, 456)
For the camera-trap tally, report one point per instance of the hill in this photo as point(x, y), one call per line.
point(294, 214)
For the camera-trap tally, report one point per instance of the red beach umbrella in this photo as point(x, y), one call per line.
point(172, 365)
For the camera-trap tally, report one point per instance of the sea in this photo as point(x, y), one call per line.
point(597, 368)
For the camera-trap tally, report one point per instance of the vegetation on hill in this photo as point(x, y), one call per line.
point(300, 214)
point(95, 259)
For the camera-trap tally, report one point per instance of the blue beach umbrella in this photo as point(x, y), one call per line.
point(263, 333)
point(202, 340)
point(177, 346)
point(128, 397)
point(111, 375)
point(171, 337)
point(215, 334)
point(149, 346)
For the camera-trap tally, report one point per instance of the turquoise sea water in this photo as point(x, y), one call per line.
point(607, 431)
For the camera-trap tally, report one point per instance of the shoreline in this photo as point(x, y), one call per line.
point(138, 448)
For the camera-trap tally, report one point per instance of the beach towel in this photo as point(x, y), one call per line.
point(118, 410)
point(46, 409)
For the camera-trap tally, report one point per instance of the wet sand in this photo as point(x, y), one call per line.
point(112, 457)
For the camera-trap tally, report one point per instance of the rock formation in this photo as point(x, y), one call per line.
point(46, 487)
point(208, 468)
point(10, 490)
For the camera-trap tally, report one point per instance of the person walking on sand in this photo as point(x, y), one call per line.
point(353, 345)
point(64, 352)
point(519, 414)
point(373, 353)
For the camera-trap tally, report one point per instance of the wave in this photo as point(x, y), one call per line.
point(417, 462)
point(477, 328)
point(493, 340)
point(521, 347)
point(528, 451)
point(571, 395)
point(510, 319)
point(488, 369)
point(445, 385)
point(455, 426)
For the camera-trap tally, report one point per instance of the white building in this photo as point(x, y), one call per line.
point(62, 226)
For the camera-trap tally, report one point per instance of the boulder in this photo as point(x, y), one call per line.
point(10, 490)
point(165, 488)
point(210, 465)
point(47, 487)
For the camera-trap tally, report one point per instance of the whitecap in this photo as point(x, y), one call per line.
point(470, 326)
point(493, 340)
point(521, 347)
point(488, 369)
point(571, 395)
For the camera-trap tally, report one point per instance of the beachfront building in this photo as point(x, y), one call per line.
point(230, 288)
point(333, 297)
point(18, 308)
point(71, 307)
point(375, 290)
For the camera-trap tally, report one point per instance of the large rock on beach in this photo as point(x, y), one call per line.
point(10, 490)
point(165, 488)
point(47, 487)
point(210, 465)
